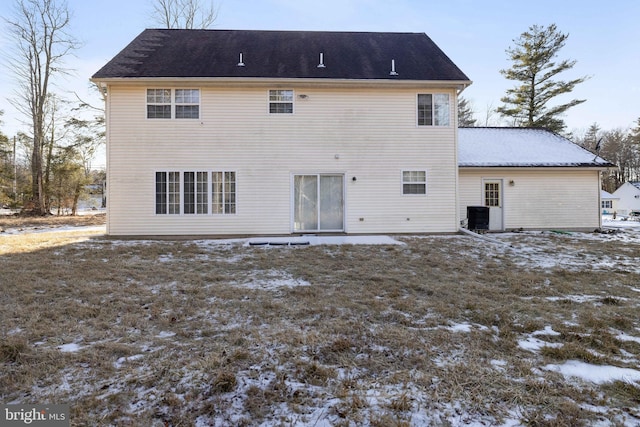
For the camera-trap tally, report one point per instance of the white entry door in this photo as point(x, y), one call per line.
point(493, 200)
point(318, 202)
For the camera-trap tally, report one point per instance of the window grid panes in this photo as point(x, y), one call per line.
point(161, 192)
point(229, 192)
point(414, 182)
point(174, 192)
point(189, 193)
point(202, 192)
point(433, 109)
point(187, 103)
point(425, 110)
point(492, 194)
point(178, 103)
point(158, 103)
point(281, 101)
point(192, 188)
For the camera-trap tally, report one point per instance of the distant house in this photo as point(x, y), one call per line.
point(529, 178)
point(628, 195)
point(608, 202)
point(215, 132)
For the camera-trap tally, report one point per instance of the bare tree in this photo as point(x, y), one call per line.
point(39, 30)
point(618, 148)
point(185, 14)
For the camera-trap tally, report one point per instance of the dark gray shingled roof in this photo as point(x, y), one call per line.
point(281, 54)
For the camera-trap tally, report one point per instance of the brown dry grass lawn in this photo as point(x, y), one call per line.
point(437, 331)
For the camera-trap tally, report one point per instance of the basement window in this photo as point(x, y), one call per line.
point(281, 101)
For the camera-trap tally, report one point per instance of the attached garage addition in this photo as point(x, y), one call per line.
point(529, 178)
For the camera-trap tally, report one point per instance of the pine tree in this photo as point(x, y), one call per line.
point(465, 113)
point(535, 67)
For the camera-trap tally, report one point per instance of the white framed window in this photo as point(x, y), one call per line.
point(187, 104)
point(195, 190)
point(158, 103)
point(173, 103)
point(190, 192)
point(280, 101)
point(168, 193)
point(414, 182)
point(433, 109)
point(607, 204)
point(223, 192)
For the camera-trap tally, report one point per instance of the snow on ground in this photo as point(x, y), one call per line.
point(595, 373)
point(324, 240)
point(69, 348)
point(535, 249)
point(551, 249)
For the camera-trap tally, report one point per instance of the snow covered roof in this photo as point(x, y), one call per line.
point(605, 195)
point(521, 147)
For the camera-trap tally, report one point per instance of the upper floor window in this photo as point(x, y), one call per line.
point(281, 101)
point(433, 109)
point(158, 103)
point(187, 103)
point(170, 103)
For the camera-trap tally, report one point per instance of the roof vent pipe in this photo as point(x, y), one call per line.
point(240, 63)
point(393, 68)
point(321, 64)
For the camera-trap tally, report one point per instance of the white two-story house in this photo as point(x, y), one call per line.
point(214, 132)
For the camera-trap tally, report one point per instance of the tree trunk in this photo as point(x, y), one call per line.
point(76, 197)
point(37, 186)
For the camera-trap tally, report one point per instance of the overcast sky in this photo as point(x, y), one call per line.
point(604, 38)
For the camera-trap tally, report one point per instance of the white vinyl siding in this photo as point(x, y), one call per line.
point(537, 198)
point(364, 133)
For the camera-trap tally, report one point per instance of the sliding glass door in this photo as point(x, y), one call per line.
point(318, 202)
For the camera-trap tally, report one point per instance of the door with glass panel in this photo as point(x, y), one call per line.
point(493, 200)
point(318, 202)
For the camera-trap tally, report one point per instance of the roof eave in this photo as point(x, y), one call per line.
point(599, 167)
point(261, 81)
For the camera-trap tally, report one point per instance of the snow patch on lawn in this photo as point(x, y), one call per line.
point(123, 360)
point(272, 280)
point(315, 240)
point(594, 373)
point(69, 348)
